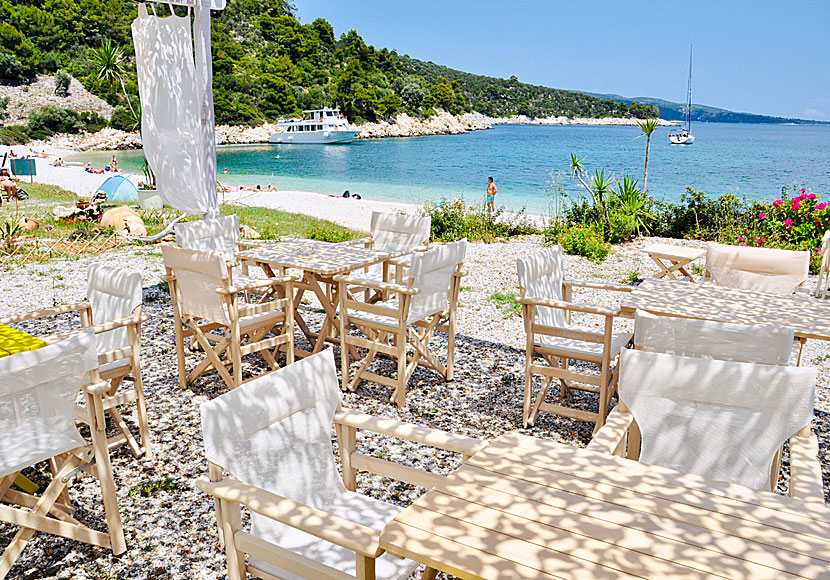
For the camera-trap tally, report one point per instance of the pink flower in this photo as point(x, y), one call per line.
point(796, 204)
point(777, 203)
point(761, 239)
point(741, 239)
point(810, 196)
point(787, 222)
point(821, 206)
point(744, 244)
point(803, 189)
point(816, 222)
point(762, 216)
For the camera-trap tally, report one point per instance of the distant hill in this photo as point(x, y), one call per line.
point(674, 112)
point(504, 97)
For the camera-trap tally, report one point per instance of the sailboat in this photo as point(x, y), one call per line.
point(685, 137)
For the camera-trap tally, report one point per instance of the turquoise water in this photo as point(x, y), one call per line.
point(748, 160)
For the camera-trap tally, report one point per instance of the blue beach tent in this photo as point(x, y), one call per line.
point(120, 188)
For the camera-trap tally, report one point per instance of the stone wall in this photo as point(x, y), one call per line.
point(406, 126)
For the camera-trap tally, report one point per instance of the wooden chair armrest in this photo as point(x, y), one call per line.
point(805, 469)
point(265, 282)
point(409, 432)
point(374, 284)
point(598, 285)
point(120, 323)
point(611, 436)
point(572, 306)
point(367, 241)
point(318, 523)
point(244, 244)
point(98, 388)
point(45, 312)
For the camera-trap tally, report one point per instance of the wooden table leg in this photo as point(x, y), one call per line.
point(328, 301)
point(664, 271)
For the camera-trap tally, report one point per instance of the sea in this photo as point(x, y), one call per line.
point(529, 163)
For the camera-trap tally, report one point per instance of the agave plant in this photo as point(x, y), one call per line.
point(633, 201)
point(9, 232)
point(598, 187)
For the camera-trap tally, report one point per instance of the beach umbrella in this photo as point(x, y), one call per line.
point(120, 188)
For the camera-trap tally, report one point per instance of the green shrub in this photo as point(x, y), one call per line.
point(623, 226)
point(14, 135)
point(329, 234)
point(507, 301)
point(123, 119)
point(584, 241)
point(12, 70)
point(454, 220)
point(93, 122)
point(62, 81)
point(4, 103)
point(51, 119)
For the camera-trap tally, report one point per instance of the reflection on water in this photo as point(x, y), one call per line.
point(751, 160)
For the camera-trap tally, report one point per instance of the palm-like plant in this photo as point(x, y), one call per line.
point(634, 202)
point(598, 188)
point(647, 126)
point(108, 60)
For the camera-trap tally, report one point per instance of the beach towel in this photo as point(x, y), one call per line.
point(170, 119)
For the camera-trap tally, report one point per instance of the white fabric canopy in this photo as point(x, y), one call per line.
point(171, 117)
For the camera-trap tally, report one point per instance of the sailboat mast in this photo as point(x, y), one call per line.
point(689, 96)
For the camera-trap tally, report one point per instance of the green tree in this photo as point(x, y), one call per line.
point(598, 188)
point(108, 60)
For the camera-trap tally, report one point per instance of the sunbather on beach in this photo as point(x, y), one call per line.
point(9, 184)
point(58, 162)
point(90, 169)
point(270, 188)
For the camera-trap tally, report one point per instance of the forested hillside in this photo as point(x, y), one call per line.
point(267, 64)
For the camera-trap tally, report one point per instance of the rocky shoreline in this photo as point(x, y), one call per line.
point(403, 125)
point(478, 118)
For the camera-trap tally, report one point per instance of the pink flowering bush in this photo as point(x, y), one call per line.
point(799, 221)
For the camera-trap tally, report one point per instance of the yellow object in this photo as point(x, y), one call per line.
point(25, 483)
point(13, 341)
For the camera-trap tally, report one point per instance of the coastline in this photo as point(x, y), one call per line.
point(402, 126)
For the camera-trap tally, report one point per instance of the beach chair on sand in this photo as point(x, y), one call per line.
point(722, 420)
point(773, 345)
point(426, 302)
point(206, 300)
point(760, 269)
point(113, 309)
point(545, 296)
point(823, 287)
point(37, 423)
point(273, 435)
point(217, 235)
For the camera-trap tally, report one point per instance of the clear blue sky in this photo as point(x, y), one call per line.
point(763, 56)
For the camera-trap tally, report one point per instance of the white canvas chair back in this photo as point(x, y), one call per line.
point(392, 232)
point(37, 400)
point(198, 274)
point(217, 235)
point(760, 269)
point(113, 294)
point(541, 275)
point(275, 432)
point(719, 419)
point(432, 273)
point(717, 340)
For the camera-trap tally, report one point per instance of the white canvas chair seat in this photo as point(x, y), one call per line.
point(273, 436)
point(579, 348)
point(723, 420)
point(424, 304)
point(758, 269)
point(38, 390)
point(351, 506)
point(205, 299)
point(823, 282)
point(717, 340)
point(552, 342)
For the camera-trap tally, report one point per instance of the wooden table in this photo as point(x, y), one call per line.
point(532, 508)
point(319, 262)
point(673, 259)
point(809, 318)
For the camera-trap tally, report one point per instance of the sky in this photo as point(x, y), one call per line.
point(760, 56)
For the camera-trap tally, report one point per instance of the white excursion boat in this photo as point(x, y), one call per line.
point(685, 137)
point(320, 126)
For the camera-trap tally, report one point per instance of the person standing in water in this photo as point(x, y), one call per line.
point(492, 190)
